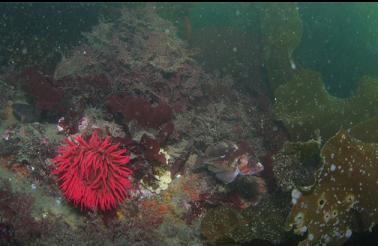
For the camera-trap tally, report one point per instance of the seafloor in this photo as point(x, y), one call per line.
point(216, 158)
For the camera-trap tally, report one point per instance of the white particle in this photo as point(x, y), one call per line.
point(296, 194)
point(58, 201)
point(234, 49)
point(292, 64)
point(333, 167)
point(34, 187)
point(327, 239)
point(348, 233)
point(303, 229)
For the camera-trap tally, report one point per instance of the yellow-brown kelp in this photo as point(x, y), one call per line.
point(305, 107)
point(342, 194)
point(366, 131)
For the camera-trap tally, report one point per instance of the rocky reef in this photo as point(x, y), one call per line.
point(210, 163)
point(133, 79)
point(224, 225)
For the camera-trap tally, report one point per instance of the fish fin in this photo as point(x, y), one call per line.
point(227, 177)
point(218, 169)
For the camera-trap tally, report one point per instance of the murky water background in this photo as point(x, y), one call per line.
point(188, 124)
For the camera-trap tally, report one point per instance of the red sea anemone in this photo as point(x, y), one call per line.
point(93, 173)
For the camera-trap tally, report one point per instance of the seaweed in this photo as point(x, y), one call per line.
point(342, 194)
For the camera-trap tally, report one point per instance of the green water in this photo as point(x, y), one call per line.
point(339, 39)
point(281, 85)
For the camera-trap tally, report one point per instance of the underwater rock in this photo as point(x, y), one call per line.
point(151, 150)
point(295, 164)
point(165, 131)
point(7, 233)
point(219, 224)
point(305, 107)
point(178, 166)
point(261, 222)
point(343, 194)
point(78, 64)
point(141, 110)
point(137, 38)
point(141, 65)
point(176, 232)
point(366, 131)
point(66, 97)
point(250, 189)
point(138, 55)
point(8, 146)
point(8, 92)
point(27, 206)
point(95, 119)
point(35, 142)
point(26, 113)
point(7, 117)
point(16, 210)
point(41, 88)
point(265, 221)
